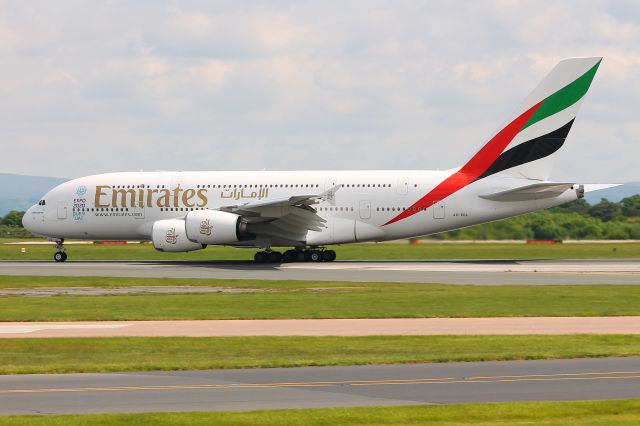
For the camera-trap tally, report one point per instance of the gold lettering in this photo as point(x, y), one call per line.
point(163, 200)
point(99, 193)
point(123, 197)
point(176, 194)
point(150, 193)
point(202, 194)
point(187, 195)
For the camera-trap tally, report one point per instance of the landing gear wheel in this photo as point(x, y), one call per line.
point(328, 256)
point(301, 256)
point(60, 256)
point(275, 257)
point(315, 256)
point(260, 257)
point(290, 256)
point(307, 255)
point(333, 255)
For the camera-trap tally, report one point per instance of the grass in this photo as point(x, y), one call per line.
point(574, 413)
point(387, 251)
point(67, 355)
point(36, 281)
point(309, 299)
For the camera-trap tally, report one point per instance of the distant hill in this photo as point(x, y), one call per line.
point(18, 192)
point(613, 194)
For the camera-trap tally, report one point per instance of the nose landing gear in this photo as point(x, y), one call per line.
point(61, 254)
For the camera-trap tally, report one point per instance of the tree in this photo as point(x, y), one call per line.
point(576, 206)
point(631, 206)
point(544, 228)
point(606, 211)
point(13, 218)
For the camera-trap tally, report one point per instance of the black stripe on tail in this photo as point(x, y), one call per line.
point(529, 151)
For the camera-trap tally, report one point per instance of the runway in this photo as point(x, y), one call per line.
point(215, 390)
point(326, 327)
point(470, 272)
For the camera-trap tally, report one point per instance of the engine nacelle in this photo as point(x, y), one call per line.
point(215, 227)
point(170, 235)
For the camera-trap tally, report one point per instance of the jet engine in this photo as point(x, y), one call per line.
point(215, 227)
point(170, 235)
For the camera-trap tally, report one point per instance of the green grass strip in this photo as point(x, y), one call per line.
point(309, 299)
point(575, 413)
point(67, 355)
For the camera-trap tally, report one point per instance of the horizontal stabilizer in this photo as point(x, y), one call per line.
point(530, 192)
point(590, 187)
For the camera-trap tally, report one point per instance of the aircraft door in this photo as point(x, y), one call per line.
point(439, 210)
point(365, 209)
point(62, 210)
point(402, 186)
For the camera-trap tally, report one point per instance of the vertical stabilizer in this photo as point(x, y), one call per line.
point(550, 110)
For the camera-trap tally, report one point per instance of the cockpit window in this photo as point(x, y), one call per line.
point(41, 203)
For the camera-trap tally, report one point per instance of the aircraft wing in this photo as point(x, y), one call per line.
point(286, 218)
point(530, 192)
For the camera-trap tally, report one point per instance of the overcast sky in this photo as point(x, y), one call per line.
point(91, 87)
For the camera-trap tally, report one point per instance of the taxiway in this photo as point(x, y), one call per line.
point(326, 327)
point(214, 390)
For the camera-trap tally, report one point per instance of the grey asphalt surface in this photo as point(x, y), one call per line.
point(479, 272)
point(214, 390)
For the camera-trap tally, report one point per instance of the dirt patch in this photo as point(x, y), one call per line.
point(109, 291)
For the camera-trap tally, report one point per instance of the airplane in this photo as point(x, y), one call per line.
point(307, 211)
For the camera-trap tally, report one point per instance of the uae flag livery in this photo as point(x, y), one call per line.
point(524, 147)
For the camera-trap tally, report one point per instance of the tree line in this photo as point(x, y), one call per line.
point(575, 220)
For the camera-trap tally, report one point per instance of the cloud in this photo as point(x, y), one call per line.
point(303, 85)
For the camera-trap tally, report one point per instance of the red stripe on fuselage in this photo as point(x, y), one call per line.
point(473, 169)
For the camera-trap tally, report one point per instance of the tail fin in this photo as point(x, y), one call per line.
point(524, 146)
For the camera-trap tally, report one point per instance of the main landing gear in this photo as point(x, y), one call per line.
point(61, 254)
point(309, 255)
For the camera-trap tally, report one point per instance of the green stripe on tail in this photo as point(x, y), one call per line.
point(565, 97)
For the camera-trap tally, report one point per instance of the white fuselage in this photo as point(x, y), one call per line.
point(124, 206)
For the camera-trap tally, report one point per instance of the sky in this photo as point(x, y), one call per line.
point(92, 87)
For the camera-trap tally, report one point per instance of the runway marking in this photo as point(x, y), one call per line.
point(531, 378)
point(224, 385)
point(553, 375)
point(356, 383)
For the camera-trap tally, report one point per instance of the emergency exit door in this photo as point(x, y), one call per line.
point(365, 209)
point(439, 210)
point(62, 209)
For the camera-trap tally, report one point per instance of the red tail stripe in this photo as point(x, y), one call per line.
point(474, 167)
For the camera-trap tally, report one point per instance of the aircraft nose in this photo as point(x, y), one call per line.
point(29, 220)
point(25, 221)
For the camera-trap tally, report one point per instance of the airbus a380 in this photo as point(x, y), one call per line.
point(307, 211)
